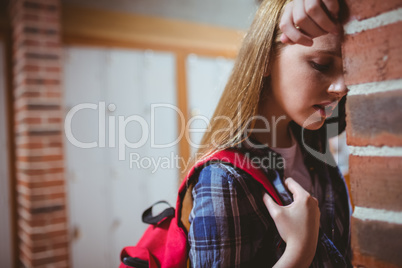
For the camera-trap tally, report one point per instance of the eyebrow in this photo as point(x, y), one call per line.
point(330, 52)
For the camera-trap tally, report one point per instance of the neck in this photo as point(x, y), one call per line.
point(277, 135)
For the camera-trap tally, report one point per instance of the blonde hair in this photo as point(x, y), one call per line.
point(241, 97)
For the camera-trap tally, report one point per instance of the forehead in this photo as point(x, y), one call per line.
point(329, 43)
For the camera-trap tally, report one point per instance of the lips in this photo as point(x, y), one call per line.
point(326, 108)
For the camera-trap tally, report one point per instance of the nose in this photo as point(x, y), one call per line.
point(338, 87)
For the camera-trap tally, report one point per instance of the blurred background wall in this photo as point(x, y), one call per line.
point(85, 75)
point(224, 13)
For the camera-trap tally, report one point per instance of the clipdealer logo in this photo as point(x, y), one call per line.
point(147, 131)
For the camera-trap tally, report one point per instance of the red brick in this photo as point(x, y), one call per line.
point(46, 238)
point(50, 260)
point(31, 94)
point(43, 197)
point(38, 62)
point(40, 81)
point(38, 95)
point(30, 120)
point(374, 119)
point(40, 6)
point(52, 69)
point(379, 241)
point(55, 120)
point(40, 37)
point(40, 221)
point(370, 8)
point(41, 49)
point(45, 17)
point(42, 133)
point(51, 237)
point(47, 235)
point(42, 184)
point(38, 70)
point(30, 17)
point(31, 146)
point(31, 68)
point(49, 105)
point(42, 171)
point(41, 248)
point(376, 182)
point(40, 145)
point(37, 260)
point(44, 158)
point(24, 41)
point(373, 55)
point(52, 44)
point(55, 144)
point(53, 94)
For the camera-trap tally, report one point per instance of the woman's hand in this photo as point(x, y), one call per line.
point(303, 20)
point(298, 225)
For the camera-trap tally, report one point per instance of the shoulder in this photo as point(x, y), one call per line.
point(225, 176)
point(218, 173)
point(221, 186)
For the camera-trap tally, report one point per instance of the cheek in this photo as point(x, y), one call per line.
point(300, 88)
point(296, 87)
point(300, 94)
point(307, 87)
point(290, 80)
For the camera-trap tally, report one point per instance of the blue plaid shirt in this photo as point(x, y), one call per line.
point(231, 227)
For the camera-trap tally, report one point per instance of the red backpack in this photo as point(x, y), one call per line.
point(164, 243)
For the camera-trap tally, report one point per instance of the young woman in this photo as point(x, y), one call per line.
point(276, 109)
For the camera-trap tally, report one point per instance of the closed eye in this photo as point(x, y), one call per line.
point(320, 67)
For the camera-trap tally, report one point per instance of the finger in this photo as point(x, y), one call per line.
point(315, 199)
point(301, 19)
point(333, 7)
point(315, 11)
point(272, 207)
point(287, 27)
point(286, 40)
point(294, 187)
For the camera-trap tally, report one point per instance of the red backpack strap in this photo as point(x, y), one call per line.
point(239, 160)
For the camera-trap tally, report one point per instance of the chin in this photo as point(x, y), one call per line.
point(312, 122)
point(314, 126)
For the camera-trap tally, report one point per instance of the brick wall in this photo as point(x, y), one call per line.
point(41, 193)
point(372, 54)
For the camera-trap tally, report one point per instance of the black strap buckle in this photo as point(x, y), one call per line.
point(147, 216)
point(135, 262)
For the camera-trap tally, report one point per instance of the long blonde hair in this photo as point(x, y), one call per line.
point(241, 97)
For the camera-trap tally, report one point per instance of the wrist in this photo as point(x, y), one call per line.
point(301, 254)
